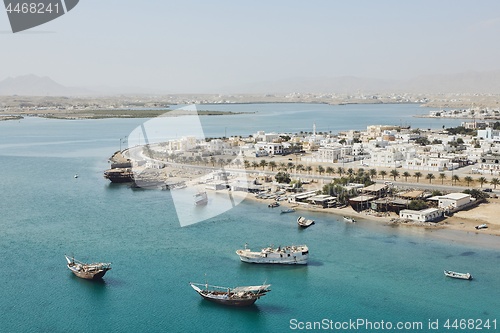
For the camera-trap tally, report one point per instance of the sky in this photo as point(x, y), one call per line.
point(209, 46)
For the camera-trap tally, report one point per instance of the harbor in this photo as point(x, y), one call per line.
point(154, 258)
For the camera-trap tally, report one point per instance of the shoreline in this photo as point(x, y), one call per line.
point(458, 228)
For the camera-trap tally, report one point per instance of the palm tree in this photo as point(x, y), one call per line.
point(394, 174)
point(360, 172)
point(255, 164)
point(263, 164)
point(482, 181)
point(350, 172)
point(329, 170)
point(299, 167)
point(455, 179)
point(430, 176)
point(383, 173)
point(495, 182)
point(373, 173)
point(469, 180)
point(273, 165)
point(213, 160)
point(406, 174)
point(320, 169)
point(282, 166)
point(417, 175)
point(309, 169)
point(246, 163)
point(442, 176)
point(221, 162)
point(290, 166)
point(340, 171)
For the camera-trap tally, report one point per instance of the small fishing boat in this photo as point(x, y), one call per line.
point(481, 226)
point(289, 210)
point(349, 219)
point(238, 296)
point(273, 204)
point(303, 222)
point(92, 271)
point(456, 275)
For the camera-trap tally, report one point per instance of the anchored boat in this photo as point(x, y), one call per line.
point(349, 219)
point(92, 271)
point(238, 296)
point(303, 222)
point(455, 275)
point(290, 255)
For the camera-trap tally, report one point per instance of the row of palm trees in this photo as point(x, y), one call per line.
point(299, 168)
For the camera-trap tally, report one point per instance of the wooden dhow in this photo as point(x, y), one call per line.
point(92, 271)
point(238, 296)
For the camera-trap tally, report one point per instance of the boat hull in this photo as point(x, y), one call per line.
point(230, 302)
point(90, 276)
point(455, 275)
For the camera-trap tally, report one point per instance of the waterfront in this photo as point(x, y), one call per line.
point(361, 270)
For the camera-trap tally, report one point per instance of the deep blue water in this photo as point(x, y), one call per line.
point(362, 270)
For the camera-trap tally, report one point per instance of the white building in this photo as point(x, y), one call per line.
point(424, 215)
point(489, 135)
point(270, 147)
point(454, 201)
point(265, 137)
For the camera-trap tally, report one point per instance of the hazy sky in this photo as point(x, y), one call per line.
point(203, 46)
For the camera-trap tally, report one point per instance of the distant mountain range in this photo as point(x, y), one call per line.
point(467, 82)
point(32, 85)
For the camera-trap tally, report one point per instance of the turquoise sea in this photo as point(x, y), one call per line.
point(357, 271)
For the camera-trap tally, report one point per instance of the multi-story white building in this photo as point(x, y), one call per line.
point(489, 135)
point(271, 147)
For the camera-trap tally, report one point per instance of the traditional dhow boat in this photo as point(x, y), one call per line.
point(200, 198)
point(238, 296)
point(349, 219)
point(290, 255)
point(455, 275)
point(303, 222)
point(92, 271)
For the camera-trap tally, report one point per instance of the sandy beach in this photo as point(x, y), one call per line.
point(458, 228)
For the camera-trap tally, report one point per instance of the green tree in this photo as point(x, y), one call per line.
point(263, 164)
point(394, 174)
point(495, 182)
point(373, 173)
point(430, 177)
point(255, 165)
point(482, 181)
point(340, 171)
point(417, 175)
point(455, 179)
point(282, 177)
point(406, 174)
point(330, 170)
point(382, 173)
point(442, 176)
point(309, 169)
point(469, 180)
point(320, 169)
point(272, 165)
point(299, 167)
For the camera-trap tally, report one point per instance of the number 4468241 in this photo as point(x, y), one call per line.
point(33, 8)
